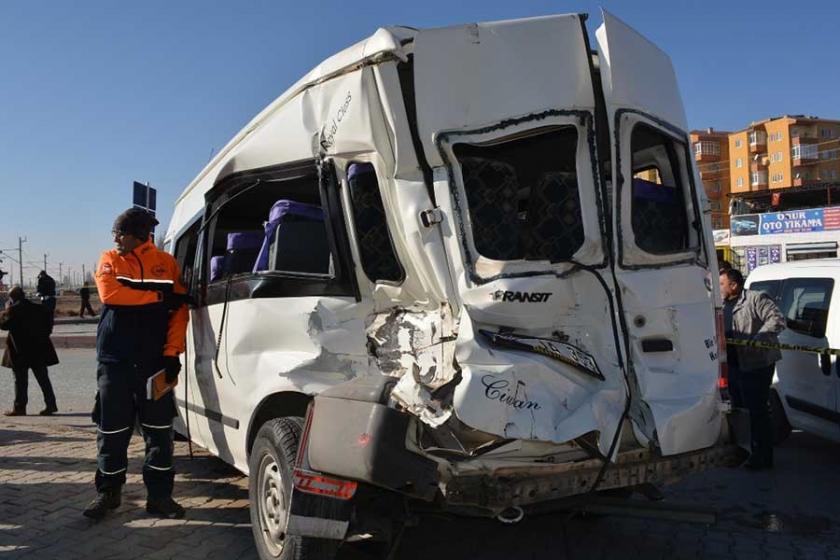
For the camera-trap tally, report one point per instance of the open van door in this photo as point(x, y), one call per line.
point(662, 248)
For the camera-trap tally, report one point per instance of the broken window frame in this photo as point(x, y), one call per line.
point(592, 252)
point(630, 255)
point(389, 226)
point(341, 281)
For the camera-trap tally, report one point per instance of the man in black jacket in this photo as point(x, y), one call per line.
point(46, 291)
point(28, 346)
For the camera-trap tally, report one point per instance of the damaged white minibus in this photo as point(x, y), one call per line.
point(468, 267)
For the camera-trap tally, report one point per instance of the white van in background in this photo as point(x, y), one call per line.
point(806, 388)
point(469, 267)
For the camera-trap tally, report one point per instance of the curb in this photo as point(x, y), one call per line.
point(69, 341)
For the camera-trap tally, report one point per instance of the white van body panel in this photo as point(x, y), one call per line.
point(675, 395)
point(483, 83)
point(798, 375)
point(426, 330)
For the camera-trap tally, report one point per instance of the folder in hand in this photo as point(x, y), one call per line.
point(157, 386)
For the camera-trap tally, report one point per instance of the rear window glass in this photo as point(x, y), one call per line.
point(768, 287)
point(659, 214)
point(523, 196)
point(805, 303)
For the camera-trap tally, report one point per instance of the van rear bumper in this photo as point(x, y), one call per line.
point(526, 486)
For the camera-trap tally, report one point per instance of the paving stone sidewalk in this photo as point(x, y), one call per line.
point(46, 474)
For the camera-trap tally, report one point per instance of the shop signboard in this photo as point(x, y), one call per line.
point(789, 221)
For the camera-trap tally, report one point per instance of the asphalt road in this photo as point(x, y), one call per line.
point(73, 380)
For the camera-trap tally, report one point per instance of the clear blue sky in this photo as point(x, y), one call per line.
point(96, 94)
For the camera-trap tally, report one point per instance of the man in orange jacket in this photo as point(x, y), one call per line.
point(142, 330)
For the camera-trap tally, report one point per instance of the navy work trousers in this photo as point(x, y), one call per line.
point(751, 390)
point(120, 402)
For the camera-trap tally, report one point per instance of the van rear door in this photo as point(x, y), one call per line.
point(663, 247)
point(505, 114)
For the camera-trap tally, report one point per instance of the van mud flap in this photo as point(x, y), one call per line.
point(353, 435)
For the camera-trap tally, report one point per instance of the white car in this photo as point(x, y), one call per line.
point(470, 266)
point(806, 387)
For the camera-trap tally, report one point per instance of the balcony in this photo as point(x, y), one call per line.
point(804, 181)
point(758, 181)
point(804, 154)
point(758, 142)
point(706, 151)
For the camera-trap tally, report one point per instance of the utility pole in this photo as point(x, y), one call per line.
point(84, 278)
point(21, 240)
point(45, 262)
point(60, 277)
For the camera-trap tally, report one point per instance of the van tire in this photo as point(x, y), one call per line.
point(272, 460)
point(781, 426)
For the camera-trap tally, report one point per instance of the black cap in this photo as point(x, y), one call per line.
point(136, 222)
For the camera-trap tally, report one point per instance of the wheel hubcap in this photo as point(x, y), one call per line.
point(272, 504)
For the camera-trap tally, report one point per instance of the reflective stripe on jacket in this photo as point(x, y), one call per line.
point(143, 317)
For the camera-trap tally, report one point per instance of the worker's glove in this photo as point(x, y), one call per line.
point(172, 366)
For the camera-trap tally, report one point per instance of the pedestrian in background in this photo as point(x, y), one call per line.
point(46, 291)
point(28, 346)
point(84, 293)
point(142, 331)
point(751, 316)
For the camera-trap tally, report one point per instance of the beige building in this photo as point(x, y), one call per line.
point(784, 152)
point(711, 154)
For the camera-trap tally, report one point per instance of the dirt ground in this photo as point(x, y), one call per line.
point(69, 303)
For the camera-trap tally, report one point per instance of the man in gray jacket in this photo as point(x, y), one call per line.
point(752, 316)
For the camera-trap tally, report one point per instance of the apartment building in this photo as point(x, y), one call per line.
point(711, 154)
point(783, 153)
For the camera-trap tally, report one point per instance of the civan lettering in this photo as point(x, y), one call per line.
point(499, 390)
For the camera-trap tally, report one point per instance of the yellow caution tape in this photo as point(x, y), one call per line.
point(780, 346)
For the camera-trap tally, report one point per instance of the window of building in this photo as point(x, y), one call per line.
point(805, 303)
point(659, 213)
point(826, 133)
point(828, 174)
point(707, 148)
point(738, 143)
point(715, 205)
point(376, 247)
point(714, 187)
point(758, 137)
point(777, 156)
point(523, 196)
point(758, 177)
point(777, 177)
point(804, 151)
point(739, 182)
point(776, 137)
point(739, 163)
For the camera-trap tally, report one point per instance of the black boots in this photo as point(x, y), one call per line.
point(17, 411)
point(49, 411)
point(164, 507)
point(105, 500)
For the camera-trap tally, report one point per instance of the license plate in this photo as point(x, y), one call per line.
point(554, 349)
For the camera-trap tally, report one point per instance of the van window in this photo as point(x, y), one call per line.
point(185, 247)
point(659, 214)
point(769, 287)
point(805, 303)
point(523, 196)
point(379, 260)
point(269, 225)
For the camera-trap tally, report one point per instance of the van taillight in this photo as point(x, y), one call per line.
point(723, 367)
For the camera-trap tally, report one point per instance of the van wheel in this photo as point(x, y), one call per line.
point(270, 491)
point(781, 426)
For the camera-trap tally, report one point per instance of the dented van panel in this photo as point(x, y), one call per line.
point(547, 308)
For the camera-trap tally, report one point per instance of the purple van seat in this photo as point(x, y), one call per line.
point(280, 211)
point(217, 267)
point(244, 240)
